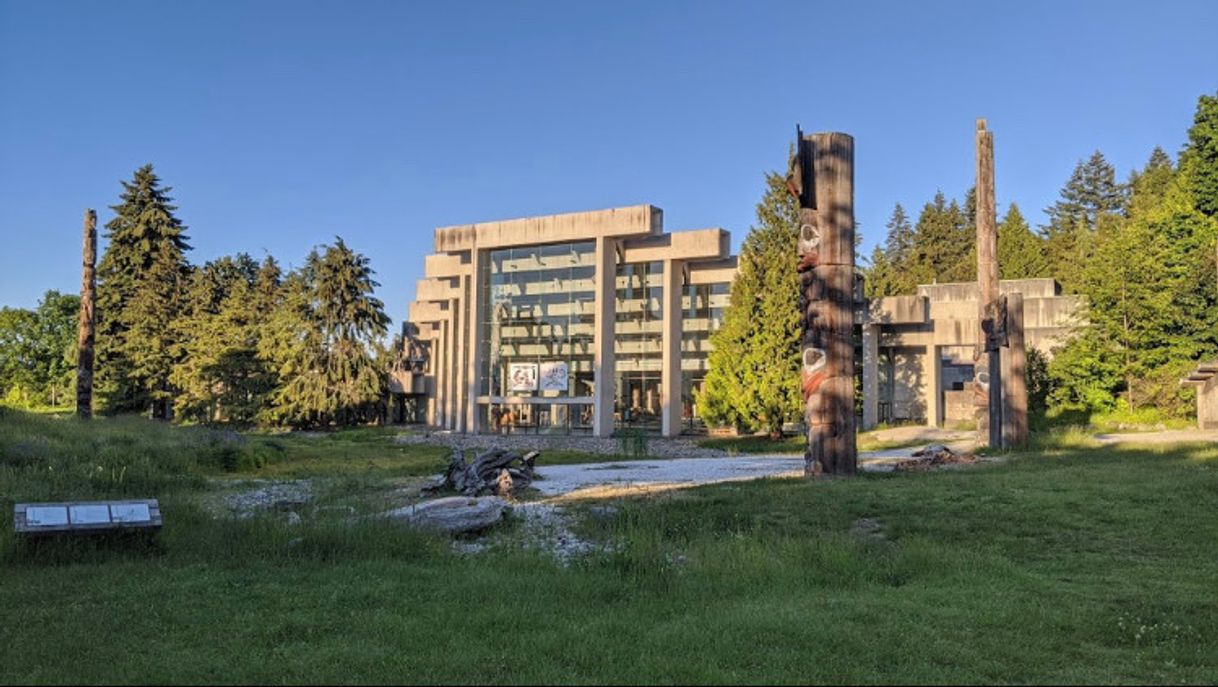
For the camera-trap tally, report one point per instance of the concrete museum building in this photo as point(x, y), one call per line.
point(591, 322)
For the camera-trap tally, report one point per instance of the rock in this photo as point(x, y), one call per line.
point(454, 514)
point(293, 518)
point(867, 528)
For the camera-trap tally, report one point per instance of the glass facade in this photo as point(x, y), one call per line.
point(536, 337)
point(638, 339)
point(702, 307)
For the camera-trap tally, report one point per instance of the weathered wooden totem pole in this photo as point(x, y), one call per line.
point(822, 179)
point(1001, 394)
point(84, 341)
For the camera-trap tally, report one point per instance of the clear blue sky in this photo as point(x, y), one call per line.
point(282, 124)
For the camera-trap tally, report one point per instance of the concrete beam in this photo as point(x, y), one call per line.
point(636, 220)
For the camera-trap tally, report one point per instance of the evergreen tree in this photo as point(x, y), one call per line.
point(752, 381)
point(221, 376)
point(322, 341)
point(943, 244)
point(1090, 197)
point(141, 278)
point(1152, 306)
point(1021, 253)
point(1199, 162)
point(888, 271)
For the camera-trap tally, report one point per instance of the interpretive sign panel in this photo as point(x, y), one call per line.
point(85, 516)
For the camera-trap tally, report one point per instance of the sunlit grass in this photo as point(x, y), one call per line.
point(1067, 563)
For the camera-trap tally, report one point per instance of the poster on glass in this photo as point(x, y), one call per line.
point(522, 377)
point(553, 376)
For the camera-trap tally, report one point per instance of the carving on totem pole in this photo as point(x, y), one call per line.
point(821, 180)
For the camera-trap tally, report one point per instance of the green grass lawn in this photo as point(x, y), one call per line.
point(1066, 565)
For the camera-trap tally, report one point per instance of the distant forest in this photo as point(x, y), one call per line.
point(234, 340)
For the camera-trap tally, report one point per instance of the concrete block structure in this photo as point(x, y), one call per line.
point(585, 322)
point(1205, 379)
point(918, 350)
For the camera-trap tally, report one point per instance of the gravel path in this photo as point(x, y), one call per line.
point(607, 480)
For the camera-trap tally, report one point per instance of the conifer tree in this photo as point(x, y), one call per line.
point(942, 244)
point(221, 376)
point(1090, 197)
point(753, 378)
point(322, 342)
point(1021, 253)
point(141, 279)
point(1199, 163)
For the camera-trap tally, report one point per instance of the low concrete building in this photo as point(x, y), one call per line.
point(1205, 379)
point(918, 350)
point(581, 322)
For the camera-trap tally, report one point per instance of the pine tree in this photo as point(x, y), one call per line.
point(141, 279)
point(1021, 253)
point(322, 341)
point(753, 378)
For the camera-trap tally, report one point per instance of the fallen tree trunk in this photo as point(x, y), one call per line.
point(494, 472)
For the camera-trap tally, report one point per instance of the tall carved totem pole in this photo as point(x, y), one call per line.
point(1001, 394)
point(822, 179)
point(84, 342)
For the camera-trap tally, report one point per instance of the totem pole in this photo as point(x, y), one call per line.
point(822, 179)
point(84, 340)
point(987, 380)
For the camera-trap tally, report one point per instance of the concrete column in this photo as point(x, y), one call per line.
point(1207, 404)
point(670, 375)
point(430, 385)
point(459, 383)
point(452, 390)
point(605, 309)
point(933, 385)
point(474, 335)
point(871, 375)
point(440, 364)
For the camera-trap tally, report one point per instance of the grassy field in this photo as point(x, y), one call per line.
point(1071, 564)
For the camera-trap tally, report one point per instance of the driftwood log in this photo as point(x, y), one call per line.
point(933, 456)
point(494, 472)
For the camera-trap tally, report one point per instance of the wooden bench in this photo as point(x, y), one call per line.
point(86, 516)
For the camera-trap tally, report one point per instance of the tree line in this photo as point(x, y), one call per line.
point(1141, 252)
point(235, 340)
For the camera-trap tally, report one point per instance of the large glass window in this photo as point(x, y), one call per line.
point(703, 306)
point(638, 345)
point(536, 328)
